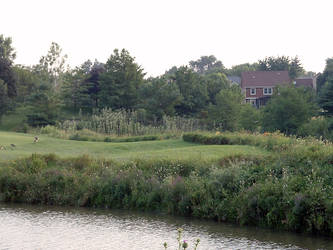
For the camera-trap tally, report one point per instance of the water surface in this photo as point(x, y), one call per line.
point(44, 227)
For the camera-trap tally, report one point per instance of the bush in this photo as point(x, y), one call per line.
point(291, 190)
point(39, 120)
point(88, 135)
point(319, 127)
point(269, 141)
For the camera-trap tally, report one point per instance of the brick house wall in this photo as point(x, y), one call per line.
point(264, 83)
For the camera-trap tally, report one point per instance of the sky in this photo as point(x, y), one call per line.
point(165, 33)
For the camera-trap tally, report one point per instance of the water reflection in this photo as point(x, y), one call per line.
point(43, 227)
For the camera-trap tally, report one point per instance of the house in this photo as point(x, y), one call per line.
point(258, 86)
point(307, 81)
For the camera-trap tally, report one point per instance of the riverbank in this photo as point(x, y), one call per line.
point(288, 191)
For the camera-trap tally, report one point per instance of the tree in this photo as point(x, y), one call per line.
point(26, 82)
point(92, 84)
point(326, 75)
point(159, 97)
point(79, 85)
point(7, 52)
point(292, 65)
point(207, 64)
point(8, 76)
point(120, 83)
point(3, 99)
point(192, 89)
point(226, 112)
point(7, 56)
point(171, 72)
point(236, 70)
point(44, 107)
point(288, 109)
point(326, 98)
point(249, 117)
point(53, 65)
point(215, 82)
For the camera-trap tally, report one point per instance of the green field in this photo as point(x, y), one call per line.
point(169, 149)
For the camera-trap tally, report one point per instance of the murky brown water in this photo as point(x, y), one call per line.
point(42, 227)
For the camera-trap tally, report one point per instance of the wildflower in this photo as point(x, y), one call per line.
point(185, 244)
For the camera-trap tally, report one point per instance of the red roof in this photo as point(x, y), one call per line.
point(264, 78)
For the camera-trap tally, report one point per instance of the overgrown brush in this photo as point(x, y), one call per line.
point(88, 135)
point(276, 142)
point(132, 123)
point(290, 191)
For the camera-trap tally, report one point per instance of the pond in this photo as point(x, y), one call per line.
point(46, 227)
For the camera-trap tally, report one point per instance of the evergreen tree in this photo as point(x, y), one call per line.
point(120, 83)
point(326, 98)
point(7, 56)
point(3, 99)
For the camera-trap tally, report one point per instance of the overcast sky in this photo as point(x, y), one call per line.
point(164, 33)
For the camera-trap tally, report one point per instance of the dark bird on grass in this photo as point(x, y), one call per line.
point(13, 145)
point(36, 139)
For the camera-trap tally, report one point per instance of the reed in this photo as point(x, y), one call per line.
point(132, 123)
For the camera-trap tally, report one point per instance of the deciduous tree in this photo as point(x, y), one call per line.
point(236, 70)
point(159, 97)
point(215, 82)
point(206, 65)
point(193, 91)
point(53, 65)
point(288, 109)
point(226, 112)
point(292, 65)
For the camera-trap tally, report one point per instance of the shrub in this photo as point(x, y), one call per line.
point(319, 127)
point(291, 190)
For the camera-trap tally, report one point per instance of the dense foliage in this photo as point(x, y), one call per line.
point(289, 109)
point(288, 190)
point(292, 65)
point(50, 93)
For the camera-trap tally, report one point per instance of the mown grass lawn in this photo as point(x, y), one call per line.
point(168, 149)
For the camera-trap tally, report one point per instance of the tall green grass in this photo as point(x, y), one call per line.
point(276, 142)
point(132, 123)
point(287, 191)
point(89, 135)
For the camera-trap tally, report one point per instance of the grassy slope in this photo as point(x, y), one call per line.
point(174, 149)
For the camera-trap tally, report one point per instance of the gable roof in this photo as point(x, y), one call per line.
point(264, 78)
point(234, 79)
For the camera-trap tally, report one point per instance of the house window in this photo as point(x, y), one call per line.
point(252, 91)
point(268, 91)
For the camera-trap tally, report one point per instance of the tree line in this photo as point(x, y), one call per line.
point(50, 91)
